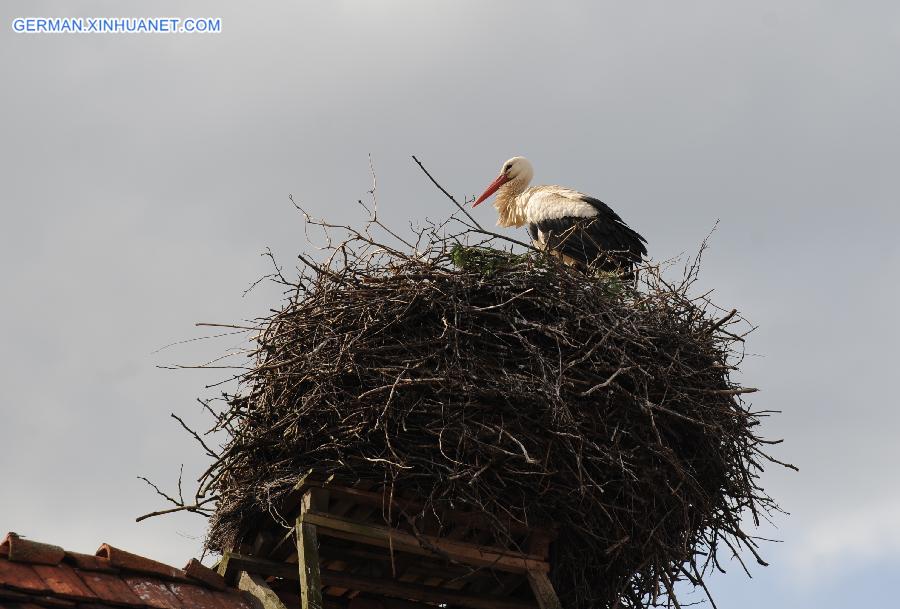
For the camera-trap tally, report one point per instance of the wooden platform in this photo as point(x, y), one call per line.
point(354, 548)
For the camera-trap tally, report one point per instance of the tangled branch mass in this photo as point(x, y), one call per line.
point(512, 385)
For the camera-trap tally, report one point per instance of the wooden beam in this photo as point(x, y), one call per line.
point(412, 507)
point(379, 499)
point(232, 564)
point(308, 550)
point(400, 541)
point(221, 567)
point(369, 554)
point(430, 594)
point(543, 590)
point(257, 586)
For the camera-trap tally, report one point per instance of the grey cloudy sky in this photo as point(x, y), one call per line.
point(142, 175)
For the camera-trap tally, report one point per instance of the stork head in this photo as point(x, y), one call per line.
point(517, 170)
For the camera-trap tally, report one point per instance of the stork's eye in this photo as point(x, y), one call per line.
point(507, 168)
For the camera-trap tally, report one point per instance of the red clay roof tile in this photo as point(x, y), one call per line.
point(89, 562)
point(56, 579)
point(109, 588)
point(20, 576)
point(197, 570)
point(153, 593)
point(25, 550)
point(62, 580)
point(132, 562)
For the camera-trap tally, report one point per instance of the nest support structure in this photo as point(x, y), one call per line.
point(340, 554)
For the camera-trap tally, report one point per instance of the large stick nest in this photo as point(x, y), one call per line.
point(511, 385)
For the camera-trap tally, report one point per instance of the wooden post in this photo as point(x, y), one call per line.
point(543, 590)
point(308, 550)
point(257, 586)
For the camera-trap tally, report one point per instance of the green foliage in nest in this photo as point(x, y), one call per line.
point(484, 260)
point(488, 262)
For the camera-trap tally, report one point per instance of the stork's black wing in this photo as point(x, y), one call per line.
point(603, 240)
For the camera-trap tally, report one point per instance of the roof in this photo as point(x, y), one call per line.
point(36, 575)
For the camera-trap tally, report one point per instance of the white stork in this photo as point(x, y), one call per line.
point(580, 229)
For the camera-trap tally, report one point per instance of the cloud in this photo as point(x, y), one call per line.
point(143, 176)
point(843, 539)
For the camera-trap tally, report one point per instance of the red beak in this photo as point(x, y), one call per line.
point(500, 181)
